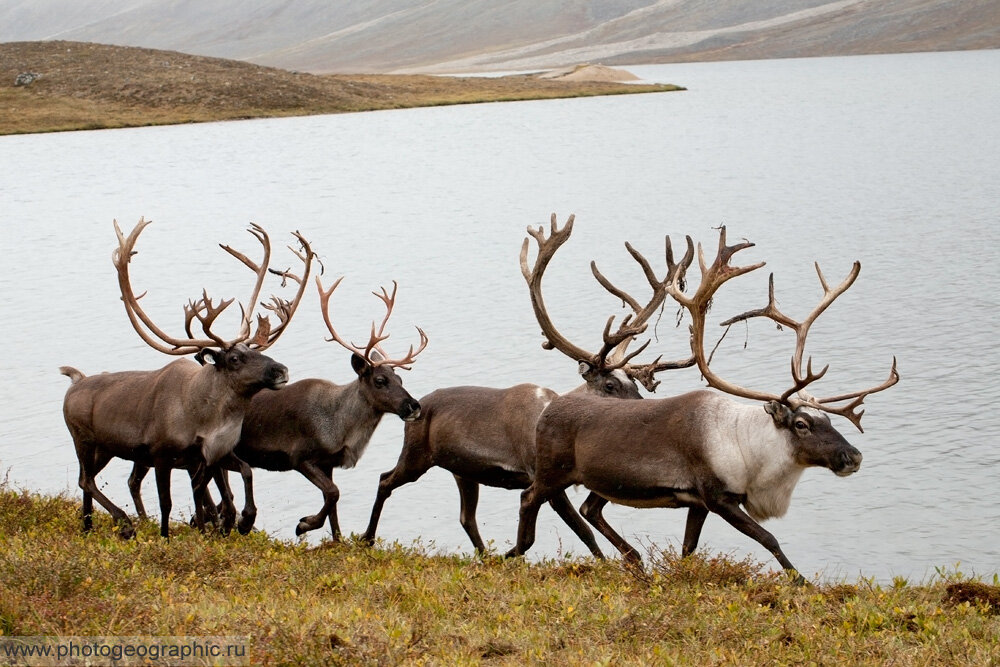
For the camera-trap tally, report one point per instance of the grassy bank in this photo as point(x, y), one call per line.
point(348, 604)
point(92, 86)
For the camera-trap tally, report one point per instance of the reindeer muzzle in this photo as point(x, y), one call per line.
point(849, 462)
point(409, 411)
point(277, 376)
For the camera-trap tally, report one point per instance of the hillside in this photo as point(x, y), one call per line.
point(86, 86)
point(436, 36)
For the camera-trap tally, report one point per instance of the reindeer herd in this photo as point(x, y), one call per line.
point(232, 408)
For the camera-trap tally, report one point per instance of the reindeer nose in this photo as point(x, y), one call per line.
point(277, 376)
point(410, 410)
point(850, 461)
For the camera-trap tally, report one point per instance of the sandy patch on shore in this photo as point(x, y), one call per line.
point(587, 72)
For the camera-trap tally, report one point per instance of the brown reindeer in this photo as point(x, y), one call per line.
point(484, 435)
point(185, 414)
point(314, 426)
point(699, 450)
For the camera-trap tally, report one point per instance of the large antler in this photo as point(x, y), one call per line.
point(203, 309)
point(617, 340)
point(645, 373)
point(801, 329)
point(377, 334)
point(712, 278)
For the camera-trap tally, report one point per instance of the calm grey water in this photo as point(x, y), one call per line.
point(892, 160)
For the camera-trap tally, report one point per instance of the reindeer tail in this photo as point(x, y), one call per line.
point(73, 374)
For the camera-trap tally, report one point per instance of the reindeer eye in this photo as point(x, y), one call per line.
point(801, 425)
point(609, 387)
point(381, 381)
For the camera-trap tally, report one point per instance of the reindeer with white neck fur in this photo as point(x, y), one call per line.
point(699, 450)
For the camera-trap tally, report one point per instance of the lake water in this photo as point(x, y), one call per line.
point(891, 160)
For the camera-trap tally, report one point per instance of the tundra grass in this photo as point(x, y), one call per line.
point(344, 603)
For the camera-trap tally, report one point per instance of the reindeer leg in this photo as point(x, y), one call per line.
point(560, 503)
point(139, 472)
point(249, 514)
point(692, 530)
point(89, 470)
point(323, 479)
point(162, 470)
point(225, 512)
point(591, 510)
point(531, 501)
point(468, 491)
point(729, 509)
point(406, 471)
point(200, 474)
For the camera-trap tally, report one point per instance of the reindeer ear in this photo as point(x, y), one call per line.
point(586, 369)
point(207, 356)
point(780, 413)
point(360, 365)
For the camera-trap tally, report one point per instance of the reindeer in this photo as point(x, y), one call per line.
point(484, 435)
point(314, 426)
point(184, 414)
point(699, 450)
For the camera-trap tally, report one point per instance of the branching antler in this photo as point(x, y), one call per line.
point(377, 334)
point(546, 249)
point(204, 310)
point(613, 354)
point(801, 329)
point(720, 271)
point(645, 373)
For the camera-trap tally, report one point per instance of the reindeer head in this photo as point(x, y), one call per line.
point(241, 360)
point(377, 377)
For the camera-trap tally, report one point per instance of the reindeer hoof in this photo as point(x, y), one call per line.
point(303, 527)
point(246, 524)
point(126, 531)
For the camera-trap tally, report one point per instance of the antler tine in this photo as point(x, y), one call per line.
point(642, 313)
point(143, 325)
point(380, 335)
point(283, 309)
point(533, 276)
point(260, 234)
point(324, 303)
point(626, 332)
point(406, 363)
point(193, 310)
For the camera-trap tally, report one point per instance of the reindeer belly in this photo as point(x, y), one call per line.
point(647, 496)
point(637, 479)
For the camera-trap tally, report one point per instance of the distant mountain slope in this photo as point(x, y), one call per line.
point(470, 35)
